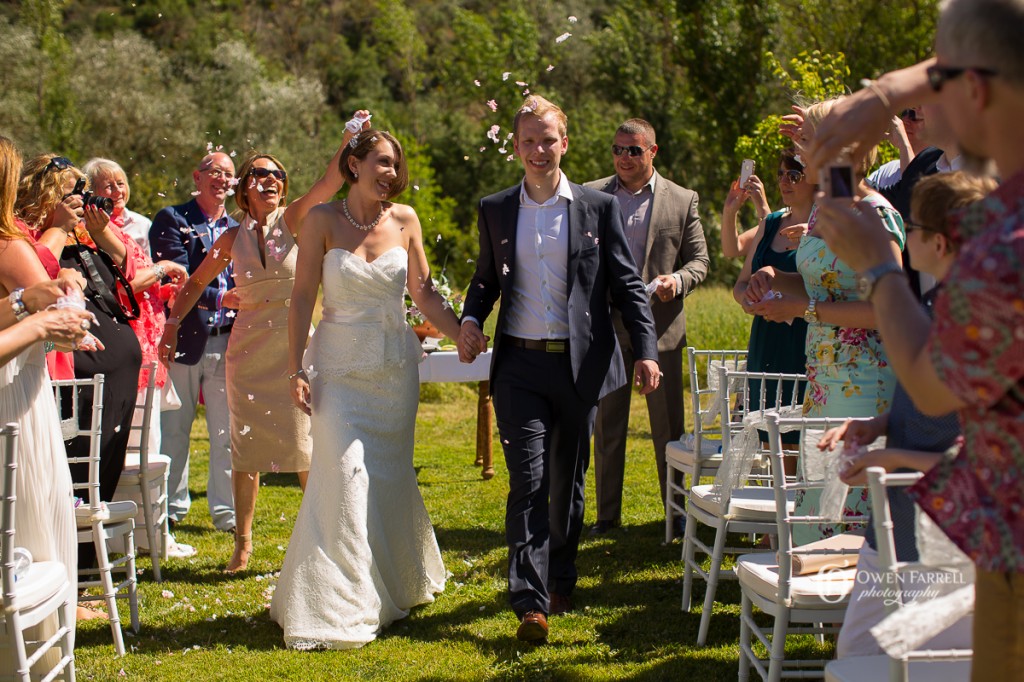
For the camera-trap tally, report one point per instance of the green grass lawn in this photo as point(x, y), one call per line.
point(201, 624)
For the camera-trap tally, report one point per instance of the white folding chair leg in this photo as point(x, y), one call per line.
point(778, 651)
point(746, 637)
point(688, 554)
point(155, 548)
point(717, 554)
point(109, 593)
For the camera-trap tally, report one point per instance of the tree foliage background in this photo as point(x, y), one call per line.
point(153, 83)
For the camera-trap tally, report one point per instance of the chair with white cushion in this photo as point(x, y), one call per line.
point(144, 479)
point(730, 505)
point(950, 665)
point(35, 596)
point(799, 604)
point(100, 523)
point(699, 453)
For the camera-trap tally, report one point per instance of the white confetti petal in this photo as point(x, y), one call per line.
point(564, 37)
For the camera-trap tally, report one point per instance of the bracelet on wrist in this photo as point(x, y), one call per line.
point(873, 87)
point(159, 272)
point(296, 375)
point(18, 305)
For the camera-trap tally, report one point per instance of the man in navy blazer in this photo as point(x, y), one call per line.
point(555, 254)
point(184, 234)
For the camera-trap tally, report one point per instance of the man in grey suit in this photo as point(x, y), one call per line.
point(555, 254)
point(667, 243)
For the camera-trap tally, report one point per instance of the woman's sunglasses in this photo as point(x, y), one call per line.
point(263, 173)
point(58, 163)
point(792, 176)
point(912, 115)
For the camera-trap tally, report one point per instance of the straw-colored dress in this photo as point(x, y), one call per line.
point(268, 432)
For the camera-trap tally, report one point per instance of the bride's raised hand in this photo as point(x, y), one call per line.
point(300, 391)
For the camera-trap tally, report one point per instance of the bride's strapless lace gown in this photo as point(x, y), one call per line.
point(363, 550)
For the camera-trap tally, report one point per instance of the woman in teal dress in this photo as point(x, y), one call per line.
point(847, 369)
point(778, 346)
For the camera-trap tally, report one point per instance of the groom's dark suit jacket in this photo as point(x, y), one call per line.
point(601, 272)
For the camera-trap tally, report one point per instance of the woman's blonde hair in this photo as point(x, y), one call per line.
point(10, 169)
point(97, 168)
point(42, 188)
point(817, 112)
point(241, 198)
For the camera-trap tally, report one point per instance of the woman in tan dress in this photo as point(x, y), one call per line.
point(268, 432)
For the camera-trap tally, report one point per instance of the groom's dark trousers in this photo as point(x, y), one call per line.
point(546, 399)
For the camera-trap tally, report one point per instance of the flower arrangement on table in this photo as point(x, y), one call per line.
point(419, 322)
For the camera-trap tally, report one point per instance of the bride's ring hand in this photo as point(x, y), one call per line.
point(300, 393)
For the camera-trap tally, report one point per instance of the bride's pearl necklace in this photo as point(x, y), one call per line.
point(364, 228)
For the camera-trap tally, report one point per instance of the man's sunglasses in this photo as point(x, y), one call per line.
point(912, 115)
point(58, 163)
point(793, 176)
point(938, 75)
point(263, 173)
point(632, 150)
point(910, 226)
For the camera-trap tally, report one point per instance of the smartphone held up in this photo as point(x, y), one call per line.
point(836, 180)
point(746, 170)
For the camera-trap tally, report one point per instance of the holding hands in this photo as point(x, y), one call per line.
point(471, 342)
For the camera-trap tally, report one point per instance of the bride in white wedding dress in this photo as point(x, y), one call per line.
point(363, 551)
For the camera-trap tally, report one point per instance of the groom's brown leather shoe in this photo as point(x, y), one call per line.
point(533, 628)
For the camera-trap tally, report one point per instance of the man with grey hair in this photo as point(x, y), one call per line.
point(184, 234)
point(666, 240)
point(971, 358)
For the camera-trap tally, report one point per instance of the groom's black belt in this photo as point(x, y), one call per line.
point(546, 345)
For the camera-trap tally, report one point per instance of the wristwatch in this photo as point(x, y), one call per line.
point(17, 305)
point(866, 281)
point(811, 314)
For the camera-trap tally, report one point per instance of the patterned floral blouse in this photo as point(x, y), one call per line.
point(847, 369)
point(977, 348)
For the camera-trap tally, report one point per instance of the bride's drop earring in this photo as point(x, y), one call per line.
point(355, 175)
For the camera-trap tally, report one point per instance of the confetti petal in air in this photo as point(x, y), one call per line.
point(572, 19)
point(196, 193)
point(551, 67)
point(492, 104)
point(505, 75)
point(492, 134)
point(564, 37)
point(476, 83)
point(521, 84)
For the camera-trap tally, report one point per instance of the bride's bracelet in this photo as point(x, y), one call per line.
point(296, 375)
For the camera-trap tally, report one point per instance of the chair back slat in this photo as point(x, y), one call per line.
point(141, 431)
point(704, 366)
point(71, 423)
point(784, 484)
point(741, 442)
point(9, 462)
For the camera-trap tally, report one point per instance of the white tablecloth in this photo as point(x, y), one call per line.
point(443, 366)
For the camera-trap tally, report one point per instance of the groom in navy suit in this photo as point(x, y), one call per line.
point(555, 254)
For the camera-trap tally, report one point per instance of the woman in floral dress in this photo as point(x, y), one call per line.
point(847, 369)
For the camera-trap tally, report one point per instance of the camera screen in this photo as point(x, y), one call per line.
point(841, 180)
